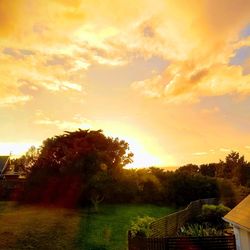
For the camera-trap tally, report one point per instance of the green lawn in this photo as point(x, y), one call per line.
point(30, 227)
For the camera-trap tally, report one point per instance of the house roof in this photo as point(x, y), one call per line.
point(3, 161)
point(240, 215)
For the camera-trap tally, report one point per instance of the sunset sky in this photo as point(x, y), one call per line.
point(171, 77)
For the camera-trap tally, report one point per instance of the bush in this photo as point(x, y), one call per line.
point(213, 214)
point(141, 226)
point(181, 189)
point(227, 193)
point(199, 230)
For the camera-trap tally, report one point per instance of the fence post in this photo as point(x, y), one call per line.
point(163, 230)
point(129, 240)
point(167, 228)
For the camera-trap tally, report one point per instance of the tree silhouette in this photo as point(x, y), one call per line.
point(85, 161)
point(232, 162)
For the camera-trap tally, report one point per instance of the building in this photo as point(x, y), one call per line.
point(8, 171)
point(4, 163)
point(239, 218)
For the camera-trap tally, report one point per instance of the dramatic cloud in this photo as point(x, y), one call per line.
point(202, 36)
point(90, 57)
point(197, 38)
point(12, 100)
point(74, 124)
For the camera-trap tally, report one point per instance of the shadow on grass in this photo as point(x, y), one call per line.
point(108, 228)
point(41, 228)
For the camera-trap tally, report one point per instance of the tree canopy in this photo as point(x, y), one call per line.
point(85, 166)
point(84, 152)
point(86, 161)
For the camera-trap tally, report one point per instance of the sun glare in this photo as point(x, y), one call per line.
point(145, 154)
point(142, 157)
point(147, 151)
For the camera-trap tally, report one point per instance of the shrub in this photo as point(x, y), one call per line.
point(141, 226)
point(227, 192)
point(199, 230)
point(213, 214)
point(214, 211)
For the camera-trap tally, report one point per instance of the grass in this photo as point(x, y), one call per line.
point(30, 227)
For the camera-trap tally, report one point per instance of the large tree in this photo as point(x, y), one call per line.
point(80, 165)
point(209, 169)
point(234, 167)
point(190, 169)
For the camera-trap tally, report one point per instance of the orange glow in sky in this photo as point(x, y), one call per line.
point(170, 77)
point(15, 149)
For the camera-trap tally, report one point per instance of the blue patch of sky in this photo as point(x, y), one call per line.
point(211, 101)
point(118, 77)
point(111, 85)
point(241, 56)
point(243, 53)
point(232, 110)
point(245, 32)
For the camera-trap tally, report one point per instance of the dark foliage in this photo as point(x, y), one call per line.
point(234, 168)
point(190, 169)
point(182, 188)
point(77, 167)
point(208, 169)
point(83, 167)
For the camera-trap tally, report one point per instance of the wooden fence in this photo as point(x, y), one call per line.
point(182, 243)
point(170, 224)
point(165, 230)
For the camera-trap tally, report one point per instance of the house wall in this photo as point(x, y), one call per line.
point(242, 238)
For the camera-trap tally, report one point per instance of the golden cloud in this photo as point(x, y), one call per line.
point(51, 43)
point(11, 100)
point(200, 37)
point(35, 70)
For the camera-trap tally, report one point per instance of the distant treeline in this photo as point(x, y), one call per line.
point(235, 168)
point(86, 167)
